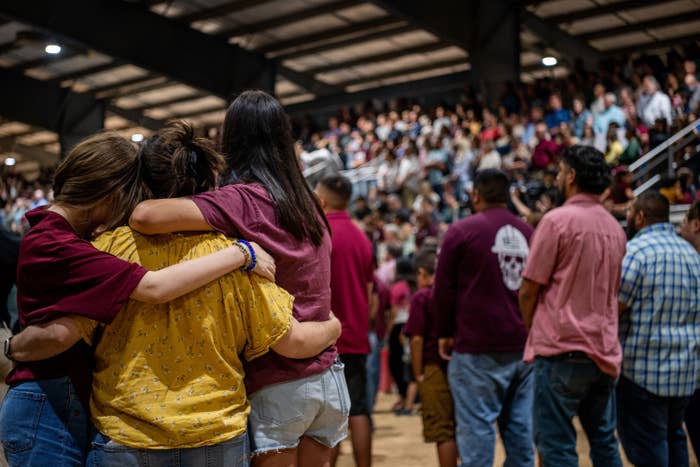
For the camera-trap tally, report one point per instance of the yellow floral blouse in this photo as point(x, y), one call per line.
point(170, 376)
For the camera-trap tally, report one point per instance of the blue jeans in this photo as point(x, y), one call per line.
point(43, 423)
point(373, 368)
point(232, 453)
point(492, 388)
point(651, 427)
point(569, 385)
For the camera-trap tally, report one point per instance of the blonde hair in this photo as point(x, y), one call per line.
point(103, 166)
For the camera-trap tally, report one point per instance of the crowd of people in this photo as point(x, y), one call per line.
point(483, 247)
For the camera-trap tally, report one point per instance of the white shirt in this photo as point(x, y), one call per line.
point(653, 107)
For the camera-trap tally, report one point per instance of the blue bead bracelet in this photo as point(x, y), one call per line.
point(253, 258)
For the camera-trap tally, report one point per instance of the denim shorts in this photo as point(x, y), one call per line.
point(107, 453)
point(44, 423)
point(317, 406)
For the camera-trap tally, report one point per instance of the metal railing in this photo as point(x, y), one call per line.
point(643, 169)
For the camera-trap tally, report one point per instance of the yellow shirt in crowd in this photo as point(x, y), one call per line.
point(170, 375)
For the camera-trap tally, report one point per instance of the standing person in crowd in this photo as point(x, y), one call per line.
point(660, 336)
point(690, 230)
point(476, 286)
point(612, 113)
point(557, 113)
point(430, 370)
point(44, 417)
point(202, 338)
point(653, 104)
point(582, 116)
point(569, 302)
point(352, 273)
point(401, 292)
point(299, 408)
point(380, 307)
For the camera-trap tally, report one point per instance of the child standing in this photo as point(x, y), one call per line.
point(429, 369)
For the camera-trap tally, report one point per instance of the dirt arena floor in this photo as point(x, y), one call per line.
point(398, 442)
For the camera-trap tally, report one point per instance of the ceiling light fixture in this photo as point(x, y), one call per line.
point(549, 61)
point(10, 161)
point(53, 49)
point(137, 137)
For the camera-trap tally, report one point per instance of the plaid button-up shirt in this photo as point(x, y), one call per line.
point(660, 333)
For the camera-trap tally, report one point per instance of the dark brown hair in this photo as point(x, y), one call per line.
point(103, 166)
point(177, 163)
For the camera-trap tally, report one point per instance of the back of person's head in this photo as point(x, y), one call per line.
point(337, 191)
point(426, 259)
point(654, 205)
point(258, 146)
point(103, 166)
point(492, 185)
point(592, 172)
point(404, 270)
point(176, 163)
point(694, 211)
point(395, 251)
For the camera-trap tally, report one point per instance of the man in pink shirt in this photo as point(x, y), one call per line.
point(569, 302)
point(352, 276)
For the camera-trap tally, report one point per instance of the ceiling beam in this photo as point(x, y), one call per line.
point(560, 40)
point(647, 46)
point(83, 72)
point(167, 102)
point(165, 46)
point(641, 26)
point(356, 29)
point(221, 10)
point(46, 60)
point(381, 57)
point(128, 83)
point(451, 82)
point(43, 157)
point(137, 117)
point(405, 71)
point(283, 20)
point(600, 10)
point(383, 34)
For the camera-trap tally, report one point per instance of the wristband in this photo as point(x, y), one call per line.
point(246, 255)
point(8, 349)
point(253, 258)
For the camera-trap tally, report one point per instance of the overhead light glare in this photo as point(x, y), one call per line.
point(549, 61)
point(137, 137)
point(10, 161)
point(53, 49)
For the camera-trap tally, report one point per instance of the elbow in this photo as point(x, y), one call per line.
point(141, 219)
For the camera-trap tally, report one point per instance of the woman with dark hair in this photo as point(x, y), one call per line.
point(186, 355)
point(44, 416)
point(299, 407)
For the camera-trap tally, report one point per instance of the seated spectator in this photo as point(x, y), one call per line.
point(653, 104)
point(557, 114)
point(547, 151)
point(582, 117)
point(611, 114)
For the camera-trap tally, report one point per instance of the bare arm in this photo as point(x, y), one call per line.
point(42, 341)
point(373, 302)
point(308, 339)
point(417, 357)
point(177, 280)
point(527, 298)
point(157, 216)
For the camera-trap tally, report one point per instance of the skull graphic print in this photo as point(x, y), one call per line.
point(512, 250)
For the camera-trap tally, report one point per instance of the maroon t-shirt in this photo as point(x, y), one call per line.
point(477, 281)
point(352, 269)
point(421, 322)
point(303, 269)
point(60, 274)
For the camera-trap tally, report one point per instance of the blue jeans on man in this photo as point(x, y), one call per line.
point(651, 426)
point(492, 388)
point(567, 385)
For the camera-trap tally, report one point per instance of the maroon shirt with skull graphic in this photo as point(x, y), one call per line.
point(477, 280)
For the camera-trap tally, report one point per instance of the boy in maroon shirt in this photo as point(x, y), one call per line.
point(429, 368)
point(352, 276)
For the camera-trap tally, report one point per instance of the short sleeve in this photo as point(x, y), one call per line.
point(631, 279)
point(228, 209)
point(415, 326)
point(544, 248)
point(267, 311)
point(98, 284)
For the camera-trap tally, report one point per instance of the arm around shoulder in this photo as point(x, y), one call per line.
point(157, 216)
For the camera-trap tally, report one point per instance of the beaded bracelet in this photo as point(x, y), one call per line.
point(246, 255)
point(253, 258)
